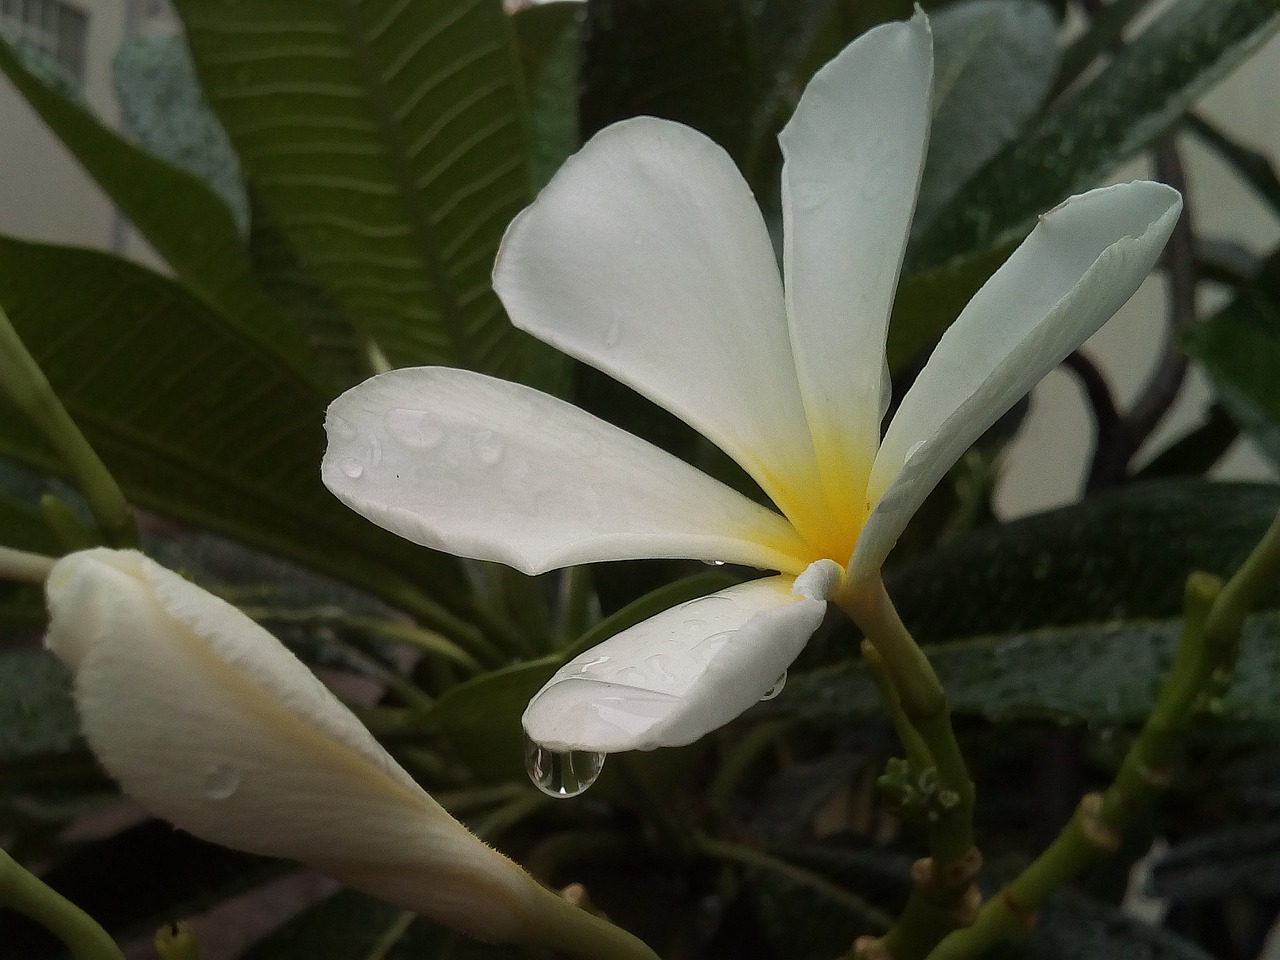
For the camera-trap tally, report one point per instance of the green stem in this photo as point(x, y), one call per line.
point(25, 893)
point(759, 860)
point(25, 384)
point(23, 567)
point(944, 896)
point(1212, 617)
point(575, 604)
point(912, 743)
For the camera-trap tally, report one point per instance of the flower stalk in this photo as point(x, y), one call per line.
point(25, 385)
point(21, 566)
point(1213, 614)
point(27, 894)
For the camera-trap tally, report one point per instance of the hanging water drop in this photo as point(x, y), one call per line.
point(561, 775)
point(776, 688)
point(220, 781)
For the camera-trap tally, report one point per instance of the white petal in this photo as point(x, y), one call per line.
point(678, 676)
point(492, 470)
point(854, 152)
point(1084, 259)
point(647, 257)
point(206, 720)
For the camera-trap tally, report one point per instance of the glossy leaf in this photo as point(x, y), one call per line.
point(1240, 349)
point(994, 61)
point(195, 419)
point(1138, 98)
point(388, 141)
point(1101, 674)
point(183, 219)
point(1122, 555)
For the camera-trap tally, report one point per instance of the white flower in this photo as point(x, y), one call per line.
point(647, 257)
point(206, 720)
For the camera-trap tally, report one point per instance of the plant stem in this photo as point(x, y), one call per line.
point(24, 383)
point(27, 894)
point(1212, 617)
point(23, 567)
point(944, 896)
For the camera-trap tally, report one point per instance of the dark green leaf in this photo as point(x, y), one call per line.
point(1106, 31)
point(550, 39)
point(186, 223)
point(37, 716)
point(993, 63)
point(1196, 451)
point(389, 141)
point(1072, 927)
point(195, 419)
point(1240, 349)
point(1122, 555)
point(1254, 167)
point(1101, 674)
point(1136, 100)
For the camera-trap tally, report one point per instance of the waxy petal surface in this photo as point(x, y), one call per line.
point(854, 152)
point(647, 257)
point(679, 675)
point(206, 720)
point(1080, 264)
point(492, 470)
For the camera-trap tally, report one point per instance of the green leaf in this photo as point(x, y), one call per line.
point(1137, 99)
point(994, 61)
point(550, 37)
point(1240, 349)
point(1254, 167)
point(1073, 927)
point(389, 141)
point(163, 107)
point(195, 419)
point(186, 222)
point(37, 716)
point(1101, 674)
point(1122, 555)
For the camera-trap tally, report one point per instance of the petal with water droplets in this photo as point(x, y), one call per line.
point(206, 720)
point(679, 675)
point(1083, 260)
point(492, 470)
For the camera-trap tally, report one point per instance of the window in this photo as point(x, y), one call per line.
point(58, 30)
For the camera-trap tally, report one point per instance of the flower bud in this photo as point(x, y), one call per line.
point(208, 721)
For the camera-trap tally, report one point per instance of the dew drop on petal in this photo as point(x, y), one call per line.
point(561, 775)
point(417, 429)
point(776, 688)
point(913, 450)
point(220, 781)
point(487, 446)
point(352, 467)
point(714, 563)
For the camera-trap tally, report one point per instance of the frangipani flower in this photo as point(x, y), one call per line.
point(647, 257)
point(208, 721)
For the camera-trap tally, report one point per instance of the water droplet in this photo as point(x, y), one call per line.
point(714, 563)
point(342, 429)
point(613, 333)
point(776, 688)
point(487, 446)
point(561, 775)
point(418, 429)
point(220, 781)
point(913, 450)
point(351, 467)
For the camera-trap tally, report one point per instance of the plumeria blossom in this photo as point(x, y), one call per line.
point(647, 257)
point(208, 721)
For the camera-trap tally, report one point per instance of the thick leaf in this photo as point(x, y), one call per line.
point(196, 420)
point(164, 108)
point(1072, 927)
point(186, 222)
point(37, 716)
point(1240, 349)
point(1122, 555)
point(137, 880)
point(1229, 862)
point(1101, 674)
point(994, 61)
point(388, 139)
point(1137, 99)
